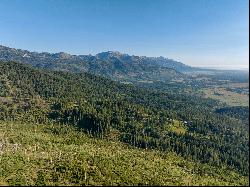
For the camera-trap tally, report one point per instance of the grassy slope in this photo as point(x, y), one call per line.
point(58, 155)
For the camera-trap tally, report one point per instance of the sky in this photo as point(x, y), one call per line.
point(201, 33)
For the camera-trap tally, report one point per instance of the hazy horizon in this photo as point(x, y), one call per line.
point(204, 33)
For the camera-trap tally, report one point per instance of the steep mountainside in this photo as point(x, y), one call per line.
point(188, 125)
point(115, 65)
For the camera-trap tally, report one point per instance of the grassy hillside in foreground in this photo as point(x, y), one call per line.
point(49, 154)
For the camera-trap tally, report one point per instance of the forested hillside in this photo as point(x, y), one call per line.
point(149, 72)
point(192, 127)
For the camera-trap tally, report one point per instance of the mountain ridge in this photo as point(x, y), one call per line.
point(104, 53)
point(7, 53)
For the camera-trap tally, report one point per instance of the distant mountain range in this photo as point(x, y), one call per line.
point(112, 64)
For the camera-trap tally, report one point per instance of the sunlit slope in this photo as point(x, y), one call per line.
point(36, 154)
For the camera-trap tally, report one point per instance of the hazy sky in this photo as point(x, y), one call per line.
point(196, 32)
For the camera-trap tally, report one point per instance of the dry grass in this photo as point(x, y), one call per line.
point(59, 155)
point(228, 97)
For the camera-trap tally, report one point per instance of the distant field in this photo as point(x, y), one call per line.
point(237, 85)
point(145, 81)
point(231, 98)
